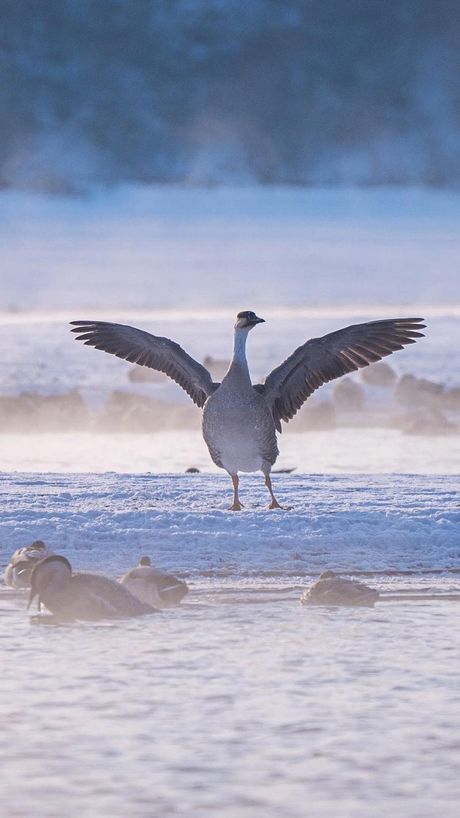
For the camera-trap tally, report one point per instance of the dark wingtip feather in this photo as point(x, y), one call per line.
point(81, 326)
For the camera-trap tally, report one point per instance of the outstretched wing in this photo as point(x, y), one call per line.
point(323, 359)
point(142, 348)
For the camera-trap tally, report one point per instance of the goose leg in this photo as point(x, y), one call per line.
point(274, 503)
point(237, 506)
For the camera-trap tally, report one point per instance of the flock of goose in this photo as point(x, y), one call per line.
point(70, 596)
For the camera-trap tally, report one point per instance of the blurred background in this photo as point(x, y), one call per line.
point(166, 163)
point(316, 92)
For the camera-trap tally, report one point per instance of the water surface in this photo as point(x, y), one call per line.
point(240, 703)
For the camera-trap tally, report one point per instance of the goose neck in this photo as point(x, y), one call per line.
point(239, 360)
point(239, 345)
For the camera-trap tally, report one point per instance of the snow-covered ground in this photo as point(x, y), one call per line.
point(351, 523)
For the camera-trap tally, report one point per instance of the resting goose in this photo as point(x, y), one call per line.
point(334, 591)
point(240, 419)
point(72, 596)
point(153, 586)
point(19, 569)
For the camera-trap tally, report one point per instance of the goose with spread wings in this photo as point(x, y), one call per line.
point(240, 420)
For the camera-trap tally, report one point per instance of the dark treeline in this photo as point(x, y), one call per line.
point(204, 91)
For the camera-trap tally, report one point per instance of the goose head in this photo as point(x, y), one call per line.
point(247, 320)
point(51, 573)
point(37, 545)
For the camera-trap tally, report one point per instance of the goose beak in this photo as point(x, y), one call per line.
point(258, 320)
point(23, 572)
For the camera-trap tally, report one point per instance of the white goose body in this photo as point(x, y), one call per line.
point(154, 587)
point(235, 432)
point(237, 424)
point(240, 419)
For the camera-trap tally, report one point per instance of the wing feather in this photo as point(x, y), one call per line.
point(320, 360)
point(142, 348)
